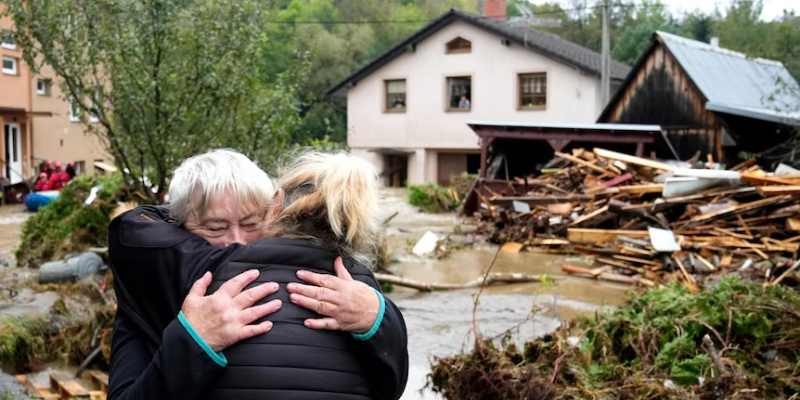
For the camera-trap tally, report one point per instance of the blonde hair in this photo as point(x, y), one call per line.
point(333, 192)
point(206, 176)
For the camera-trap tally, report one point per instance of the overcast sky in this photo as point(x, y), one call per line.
point(772, 8)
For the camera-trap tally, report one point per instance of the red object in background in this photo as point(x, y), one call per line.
point(41, 182)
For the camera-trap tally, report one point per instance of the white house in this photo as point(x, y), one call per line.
point(407, 109)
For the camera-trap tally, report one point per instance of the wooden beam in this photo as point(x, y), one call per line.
point(778, 190)
point(737, 209)
point(613, 155)
point(583, 163)
point(586, 235)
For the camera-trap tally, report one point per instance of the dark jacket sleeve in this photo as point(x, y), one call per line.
point(154, 262)
point(178, 369)
point(385, 355)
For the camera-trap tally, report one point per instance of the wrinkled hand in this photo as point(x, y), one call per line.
point(347, 305)
point(224, 317)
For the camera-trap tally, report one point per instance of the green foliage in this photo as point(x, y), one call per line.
point(433, 198)
point(66, 225)
point(166, 79)
point(657, 335)
point(21, 342)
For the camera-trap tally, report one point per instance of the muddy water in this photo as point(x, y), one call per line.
point(440, 324)
point(11, 219)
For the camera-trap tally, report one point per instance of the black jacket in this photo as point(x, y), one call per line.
point(155, 262)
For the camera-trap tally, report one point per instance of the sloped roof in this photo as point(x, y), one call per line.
point(733, 83)
point(545, 43)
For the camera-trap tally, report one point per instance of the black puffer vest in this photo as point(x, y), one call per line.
point(291, 361)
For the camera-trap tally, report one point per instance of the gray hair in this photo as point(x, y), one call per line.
point(205, 176)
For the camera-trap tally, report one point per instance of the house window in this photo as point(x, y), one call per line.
point(43, 87)
point(9, 65)
point(7, 40)
point(395, 95)
point(533, 91)
point(80, 167)
point(74, 111)
point(459, 45)
point(459, 93)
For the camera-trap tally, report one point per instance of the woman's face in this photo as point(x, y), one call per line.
point(226, 222)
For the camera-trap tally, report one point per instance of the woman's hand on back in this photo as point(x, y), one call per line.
point(225, 317)
point(345, 304)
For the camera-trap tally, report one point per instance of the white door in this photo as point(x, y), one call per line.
point(13, 153)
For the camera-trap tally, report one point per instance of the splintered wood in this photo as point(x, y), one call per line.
point(62, 387)
point(602, 202)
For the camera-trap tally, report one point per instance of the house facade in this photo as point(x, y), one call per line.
point(407, 111)
point(38, 124)
point(15, 109)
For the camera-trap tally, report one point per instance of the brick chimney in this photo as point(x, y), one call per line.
point(495, 9)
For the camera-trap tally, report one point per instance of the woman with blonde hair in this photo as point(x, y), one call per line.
point(327, 211)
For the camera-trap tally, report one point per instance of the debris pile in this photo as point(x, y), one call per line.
point(647, 221)
point(734, 340)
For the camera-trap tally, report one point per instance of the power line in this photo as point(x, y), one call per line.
point(420, 21)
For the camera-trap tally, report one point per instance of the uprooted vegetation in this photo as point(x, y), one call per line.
point(735, 340)
point(77, 324)
point(66, 225)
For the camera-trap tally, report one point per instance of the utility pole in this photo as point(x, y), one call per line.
point(605, 68)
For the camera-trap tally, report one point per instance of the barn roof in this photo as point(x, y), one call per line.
point(732, 82)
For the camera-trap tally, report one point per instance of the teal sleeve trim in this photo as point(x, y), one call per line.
point(218, 357)
point(378, 320)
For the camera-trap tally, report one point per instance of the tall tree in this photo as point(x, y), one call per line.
point(165, 79)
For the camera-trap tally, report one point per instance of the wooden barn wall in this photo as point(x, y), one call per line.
point(661, 93)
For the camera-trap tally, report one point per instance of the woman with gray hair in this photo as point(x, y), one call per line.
point(319, 344)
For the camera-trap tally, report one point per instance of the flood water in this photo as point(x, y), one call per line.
point(440, 324)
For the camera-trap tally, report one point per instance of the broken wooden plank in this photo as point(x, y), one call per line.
point(778, 190)
point(540, 200)
point(589, 216)
point(99, 378)
point(740, 208)
point(617, 180)
point(606, 276)
point(613, 155)
point(759, 180)
point(637, 260)
point(588, 235)
point(583, 163)
point(632, 189)
point(66, 387)
point(691, 284)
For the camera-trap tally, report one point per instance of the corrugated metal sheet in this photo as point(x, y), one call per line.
point(736, 84)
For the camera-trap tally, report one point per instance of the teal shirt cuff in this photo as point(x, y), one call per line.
point(378, 319)
point(218, 357)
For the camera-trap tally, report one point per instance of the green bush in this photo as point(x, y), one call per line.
point(433, 198)
point(66, 225)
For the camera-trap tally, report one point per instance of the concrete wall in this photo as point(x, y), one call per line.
point(427, 126)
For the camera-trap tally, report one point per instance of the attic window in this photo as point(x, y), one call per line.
point(459, 45)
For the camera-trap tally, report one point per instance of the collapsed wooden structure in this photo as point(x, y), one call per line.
point(614, 206)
